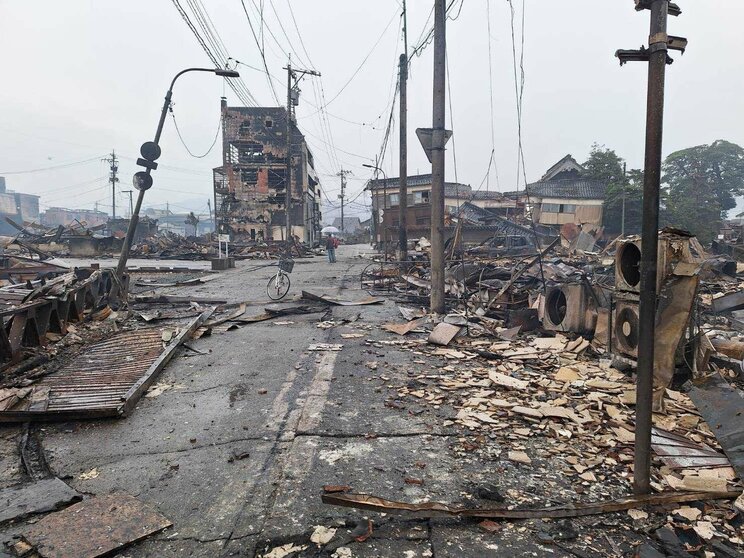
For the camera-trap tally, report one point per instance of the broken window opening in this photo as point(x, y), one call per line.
point(249, 177)
point(250, 152)
point(277, 178)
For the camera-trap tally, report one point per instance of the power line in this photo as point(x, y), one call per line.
point(237, 85)
point(299, 35)
point(261, 51)
point(54, 167)
point(180, 137)
point(364, 61)
point(518, 89)
point(490, 92)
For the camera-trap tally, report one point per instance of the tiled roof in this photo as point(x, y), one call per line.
point(453, 190)
point(411, 180)
point(483, 195)
point(579, 188)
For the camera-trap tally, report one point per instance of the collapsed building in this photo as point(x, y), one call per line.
point(564, 195)
point(386, 202)
point(250, 186)
point(16, 206)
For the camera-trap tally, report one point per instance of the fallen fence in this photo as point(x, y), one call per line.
point(105, 380)
point(26, 316)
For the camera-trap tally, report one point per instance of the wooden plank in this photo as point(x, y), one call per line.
point(444, 333)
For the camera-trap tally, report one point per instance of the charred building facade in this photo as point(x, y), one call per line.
point(250, 186)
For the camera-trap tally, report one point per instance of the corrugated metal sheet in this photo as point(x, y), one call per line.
point(105, 380)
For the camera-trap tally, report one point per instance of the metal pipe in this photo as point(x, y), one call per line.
point(649, 247)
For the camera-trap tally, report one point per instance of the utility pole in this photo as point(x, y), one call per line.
point(293, 99)
point(131, 204)
point(405, 28)
point(209, 207)
point(657, 58)
point(114, 166)
point(437, 160)
point(622, 219)
point(342, 173)
point(403, 163)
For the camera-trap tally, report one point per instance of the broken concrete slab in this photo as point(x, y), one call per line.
point(42, 496)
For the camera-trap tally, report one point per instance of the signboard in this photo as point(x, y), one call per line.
point(223, 238)
point(425, 137)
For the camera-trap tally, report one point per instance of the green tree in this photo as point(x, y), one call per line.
point(606, 165)
point(701, 184)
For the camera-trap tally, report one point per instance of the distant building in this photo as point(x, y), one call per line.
point(564, 195)
point(146, 227)
point(17, 207)
point(386, 200)
point(55, 216)
point(178, 223)
point(250, 186)
point(350, 225)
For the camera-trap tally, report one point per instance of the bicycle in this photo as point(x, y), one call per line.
point(278, 285)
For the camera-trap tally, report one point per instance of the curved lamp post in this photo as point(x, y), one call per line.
point(384, 201)
point(150, 152)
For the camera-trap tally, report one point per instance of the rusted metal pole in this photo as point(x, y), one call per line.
point(437, 160)
point(649, 247)
point(403, 163)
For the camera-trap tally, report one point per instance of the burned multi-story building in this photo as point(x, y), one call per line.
point(250, 186)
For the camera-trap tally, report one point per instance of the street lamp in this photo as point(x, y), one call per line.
point(384, 200)
point(150, 152)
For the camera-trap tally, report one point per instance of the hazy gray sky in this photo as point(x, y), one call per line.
point(83, 77)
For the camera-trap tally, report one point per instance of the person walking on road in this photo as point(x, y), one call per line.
point(331, 244)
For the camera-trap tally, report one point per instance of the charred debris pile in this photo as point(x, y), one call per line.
point(78, 240)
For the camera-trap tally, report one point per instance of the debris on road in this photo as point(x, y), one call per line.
point(94, 527)
point(105, 380)
point(435, 509)
point(42, 496)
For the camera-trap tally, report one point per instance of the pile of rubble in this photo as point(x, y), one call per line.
point(537, 362)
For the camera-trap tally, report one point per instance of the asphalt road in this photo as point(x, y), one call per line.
point(236, 450)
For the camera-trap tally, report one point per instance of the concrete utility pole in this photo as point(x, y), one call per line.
point(622, 219)
point(657, 58)
point(288, 172)
point(209, 207)
point(403, 164)
point(131, 203)
point(342, 173)
point(403, 143)
point(293, 99)
point(437, 160)
point(114, 166)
